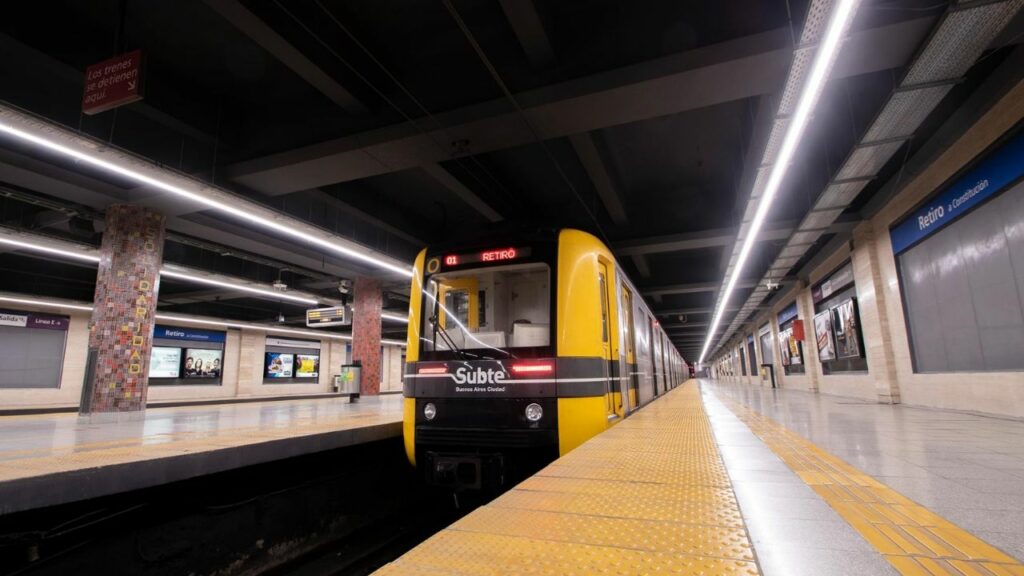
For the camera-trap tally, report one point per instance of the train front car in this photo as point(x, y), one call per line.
point(489, 398)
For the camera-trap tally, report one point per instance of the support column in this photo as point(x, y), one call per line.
point(366, 332)
point(874, 315)
point(121, 328)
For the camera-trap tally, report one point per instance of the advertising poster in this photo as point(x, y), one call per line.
point(279, 365)
point(784, 337)
point(201, 363)
point(796, 356)
point(847, 330)
point(307, 366)
point(823, 334)
point(165, 362)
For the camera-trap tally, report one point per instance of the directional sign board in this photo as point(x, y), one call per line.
point(112, 83)
point(336, 316)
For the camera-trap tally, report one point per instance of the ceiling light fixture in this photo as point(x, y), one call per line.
point(395, 317)
point(842, 14)
point(240, 287)
point(45, 303)
point(48, 250)
point(100, 156)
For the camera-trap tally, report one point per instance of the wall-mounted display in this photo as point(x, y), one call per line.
point(307, 366)
point(824, 336)
point(203, 363)
point(165, 362)
point(279, 365)
point(766, 346)
point(847, 329)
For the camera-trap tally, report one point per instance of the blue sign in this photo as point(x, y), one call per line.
point(982, 182)
point(787, 313)
point(191, 334)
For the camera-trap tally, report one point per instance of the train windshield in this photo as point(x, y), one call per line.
point(491, 312)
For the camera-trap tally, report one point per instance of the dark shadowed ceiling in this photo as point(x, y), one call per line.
point(399, 123)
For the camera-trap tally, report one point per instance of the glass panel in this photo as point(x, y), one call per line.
point(492, 308)
point(604, 307)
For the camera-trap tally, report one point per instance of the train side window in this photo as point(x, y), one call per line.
point(602, 284)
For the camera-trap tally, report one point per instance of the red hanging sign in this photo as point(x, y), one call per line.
point(113, 83)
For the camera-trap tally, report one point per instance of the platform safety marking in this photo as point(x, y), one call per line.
point(915, 540)
point(608, 507)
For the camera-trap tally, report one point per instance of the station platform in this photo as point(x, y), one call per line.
point(51, 459)
point(721, 479)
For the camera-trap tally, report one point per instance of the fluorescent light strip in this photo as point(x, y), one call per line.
point(240, 287)
point(237, 212)
point(44, 303)
point(827, 50)
point(165, 272)
point(55, 251)
point(193, 320)
point(396, 318)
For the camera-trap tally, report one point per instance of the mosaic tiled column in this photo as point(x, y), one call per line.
point(121, 329)
point(366, 332)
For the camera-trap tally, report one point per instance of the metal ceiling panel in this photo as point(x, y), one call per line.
point(868, 160)
point(960, 40)
point(839, 195)
point(905, 111)
point(805, 236)
point(821, 218)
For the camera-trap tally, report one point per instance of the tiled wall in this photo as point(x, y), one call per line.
point(890, 376)
point(242, 376)
point(366, 332)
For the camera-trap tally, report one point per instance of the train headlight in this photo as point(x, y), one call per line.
point(534, 412)
point(429, 411)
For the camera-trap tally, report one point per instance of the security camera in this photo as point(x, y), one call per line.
point(345, 286)
point(771, 286)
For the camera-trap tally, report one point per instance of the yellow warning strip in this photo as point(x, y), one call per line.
point(915, 540)
point(649, 496)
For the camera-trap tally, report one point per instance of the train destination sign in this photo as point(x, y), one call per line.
point(491, 256)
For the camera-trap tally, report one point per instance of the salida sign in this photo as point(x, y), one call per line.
point(112, 83)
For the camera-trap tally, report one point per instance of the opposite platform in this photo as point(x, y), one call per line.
point(52, 459)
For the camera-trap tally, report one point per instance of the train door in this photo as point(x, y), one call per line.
point(606, 337)
point(460, 298)
point(664, 370)
point(651, 336)
point(629, 369)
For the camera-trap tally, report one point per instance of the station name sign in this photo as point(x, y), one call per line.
point(984, 181)
point(190, 334)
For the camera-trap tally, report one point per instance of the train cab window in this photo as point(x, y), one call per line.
point(488, 310)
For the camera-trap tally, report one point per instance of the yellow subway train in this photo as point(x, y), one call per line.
point(520, 348)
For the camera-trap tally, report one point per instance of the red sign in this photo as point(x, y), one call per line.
point(112, 83)
point(798, 330)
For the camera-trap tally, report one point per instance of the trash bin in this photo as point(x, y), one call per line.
point(349, 381)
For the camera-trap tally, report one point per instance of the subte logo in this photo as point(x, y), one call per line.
point(465, 375)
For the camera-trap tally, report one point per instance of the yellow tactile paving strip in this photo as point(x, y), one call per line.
point(649, 496)
point(915, 540)
point(20, 464)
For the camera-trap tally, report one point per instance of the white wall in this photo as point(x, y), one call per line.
point(242, 375)
point(891, 376)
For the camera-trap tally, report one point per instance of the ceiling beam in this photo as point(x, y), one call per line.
point(522, 16)
point(695, 287)
point(642, 265)
point(691, 80)
point(590, 157)
point(455, 186)
point(263, 35)
point(713, 238)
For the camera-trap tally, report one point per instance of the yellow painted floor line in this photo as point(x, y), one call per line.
point(649, 496)
point(915, 540)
